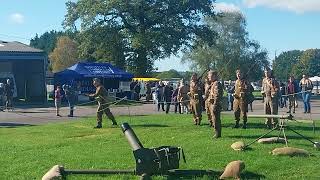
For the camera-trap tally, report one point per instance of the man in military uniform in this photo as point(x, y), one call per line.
point(215, 100)
point(240, 105)
point(195, 95)
point(270, 91)
point(207, 100)
point(183, 97)
point(101, 97)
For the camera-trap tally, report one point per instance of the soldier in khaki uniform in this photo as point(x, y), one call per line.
point(101, 97)
point(195, 95)
point(183, 97)
point(207, 100)
point(215, 99)
point(270, 91)
point(240, 105)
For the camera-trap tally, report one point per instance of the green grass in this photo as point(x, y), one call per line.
point(27, 152)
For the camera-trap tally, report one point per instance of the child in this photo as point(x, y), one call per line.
point(57, 99)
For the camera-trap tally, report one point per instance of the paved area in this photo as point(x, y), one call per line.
point(42, 115)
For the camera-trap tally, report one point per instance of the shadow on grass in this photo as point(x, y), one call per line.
point(192, 174)
point(13, 125)
point(149, 125)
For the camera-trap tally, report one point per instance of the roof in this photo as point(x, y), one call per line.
point(16, 47)
point(83, 69)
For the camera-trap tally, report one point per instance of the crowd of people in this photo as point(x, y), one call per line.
point(196, 97)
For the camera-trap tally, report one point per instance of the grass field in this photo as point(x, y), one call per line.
point(27, 152)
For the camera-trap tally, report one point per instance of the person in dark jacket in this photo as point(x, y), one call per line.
point(70, 95)
point(177, 107)
point(167, 94)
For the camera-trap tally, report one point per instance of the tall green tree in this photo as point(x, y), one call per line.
point(309, 63)
point(232, 48)
point(284, 63)
point(47, 41)
point(169, 74)
point(152, 29)
point(103, 45)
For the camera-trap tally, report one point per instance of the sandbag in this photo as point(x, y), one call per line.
point(233, 170)
point(290, 151)
point(53, 174)
point(271, 140)
point(238, 146)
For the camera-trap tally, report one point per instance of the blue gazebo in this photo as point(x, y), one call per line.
point(83, 72)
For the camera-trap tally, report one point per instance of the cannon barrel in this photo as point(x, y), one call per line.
point(131, 137)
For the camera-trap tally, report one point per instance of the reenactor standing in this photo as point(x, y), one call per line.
point(240, 102)
point(101, 96)
point(195, 94)
point(207, 87)
point(270, 91)
point(183, 97)
point(215, 99)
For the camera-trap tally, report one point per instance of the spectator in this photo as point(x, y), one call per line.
point(137, 89)
point(283, 98)
point(177, 107)
point(8, 93)
point(57, 100)
point(160, 96)
point(2, 97)
point(306, 88)
point(291, 90)
point(148, 91)
point(230, 91)
point(167, 94)
point(70, 95)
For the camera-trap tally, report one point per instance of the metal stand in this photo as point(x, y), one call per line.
point(281, 126)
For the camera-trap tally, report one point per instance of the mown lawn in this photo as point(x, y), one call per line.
point(27, 152)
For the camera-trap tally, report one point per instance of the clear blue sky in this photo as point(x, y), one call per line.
point(278, 25)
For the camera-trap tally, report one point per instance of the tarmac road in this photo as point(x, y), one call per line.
point(42, 115)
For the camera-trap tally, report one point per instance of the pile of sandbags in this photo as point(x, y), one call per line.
point(233, 170)
point(238, 146)
point(53, 174)
point(271, 140)
point(290, 151)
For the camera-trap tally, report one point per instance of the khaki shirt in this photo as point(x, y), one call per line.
point(195, 90)
point(270, 87)
point(207, 88)
point(216, 93)
point(182, 93)
point(241, 89)
point(100, 94)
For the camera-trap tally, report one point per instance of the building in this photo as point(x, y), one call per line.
point(26, 67)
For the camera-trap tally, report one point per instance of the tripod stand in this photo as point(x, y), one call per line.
point(281, 126)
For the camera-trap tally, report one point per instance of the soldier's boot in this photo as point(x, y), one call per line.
point(244, 125)
point(195, 122)
point(99, 125)
point(236, 125)
point(199, 121)
point(71, 113)
point(217, 135)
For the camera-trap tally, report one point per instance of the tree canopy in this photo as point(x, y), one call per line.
point(231, 50)
point(169, 74)
point(297, 63)
point(64, 55)
point(145, 30)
